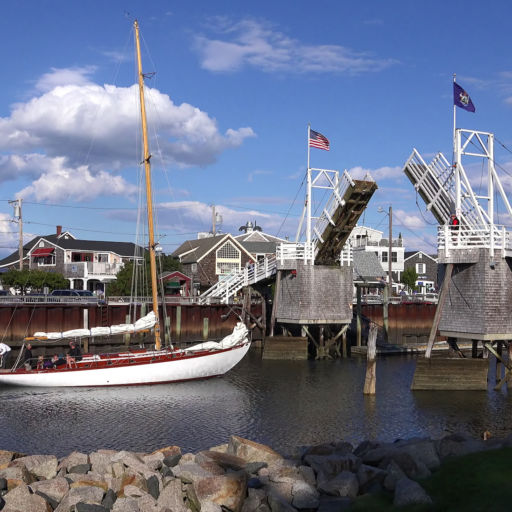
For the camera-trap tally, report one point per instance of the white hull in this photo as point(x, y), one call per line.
point(193, 366)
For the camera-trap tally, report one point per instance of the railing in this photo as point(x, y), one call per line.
point(90, 268)
point(453, 238)
point(47, 299)
point(297, 251)
point(423, 298)
point(226, 288)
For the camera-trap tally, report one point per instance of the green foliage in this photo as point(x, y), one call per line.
point(122, 286)
point(34, 280)
point(409, 278)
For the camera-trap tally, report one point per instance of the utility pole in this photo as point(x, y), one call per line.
point(16, 204)
point(213, 220)
point(390, 251)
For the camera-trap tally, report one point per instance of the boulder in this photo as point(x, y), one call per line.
point(224, 460)
point(304, 495)
point(73, 459)
point(80, 468)
point(15, 475)
point(41, 466)
point(331, 465)
point(190, 472)
point(55, 488)
point(367, 475)
point(91, 494)
point(126, 505)
point(256, 501)
point(20, 499)
point(340, 448)
point(109, 499)
point(411, 467)
point(251, 451)
point(423, 450)
point(90, 507)
point(131, 478)
point(167, 451)
point(228, 490)
point(6, 456)
point(147, 503)
point(394, 473)
point(409, 492)
point(154, 461)
point(171, 497)
point(456, 445)
point(343, 484)
point(222, 448)
point(277, 504)
point(101, 461)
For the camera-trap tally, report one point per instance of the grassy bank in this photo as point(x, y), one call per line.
point(476, 482)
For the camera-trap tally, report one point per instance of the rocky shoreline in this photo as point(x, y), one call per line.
point(240, 476)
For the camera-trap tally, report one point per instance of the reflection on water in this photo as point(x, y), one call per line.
point(281, 403)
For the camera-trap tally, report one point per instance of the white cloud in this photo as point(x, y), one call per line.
point(60, 182)
point(253, 174)
point(381, 173)
point(256, 44)
point(408, 220)
point(64, 76)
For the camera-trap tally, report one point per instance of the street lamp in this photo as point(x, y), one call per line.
point(390, 247)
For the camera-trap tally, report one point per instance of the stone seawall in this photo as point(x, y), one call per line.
point(240, 476)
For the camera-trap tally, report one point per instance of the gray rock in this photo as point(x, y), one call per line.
point(153, 486)
point(225, 461)
point(80, 468)
point(73, 459)
point(339, 448)
point(101, 461)
point(252, 451)
point(456, 445)
point(85, 494)
point(3, 484)
point(19, 499)
point(171, 497)
point(147, 503)
point(227, 490)
point(254, 483)
point(304, 495)
point(367, 475)
point(253, 467)
point(126, 505)
point(90, 507)
point(423, 450)
point(154, 461)
point(411, 467)
point(222, 448)
point(409, 492)
point(41, 466)
point(365, 447)
point(19, 473)
point(277, 504)
point(255, 502)
point(171, 460)
point(344, 484)
point(308, 475)
point(53, 503)
point(394, 473)
point(109, 499)
point(55, 488)
point(331, 465)
point(190, 472)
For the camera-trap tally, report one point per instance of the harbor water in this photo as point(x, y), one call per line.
point(284, 404)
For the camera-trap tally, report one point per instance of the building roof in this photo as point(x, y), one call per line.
point(410, 254)
point(367, 267)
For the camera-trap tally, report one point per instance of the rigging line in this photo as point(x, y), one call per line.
point(291, 206)
point(421, 213)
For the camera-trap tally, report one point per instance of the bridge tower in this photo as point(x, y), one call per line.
point(314, 283)
point(475, 257)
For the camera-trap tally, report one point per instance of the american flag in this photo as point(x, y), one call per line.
point(317, 140)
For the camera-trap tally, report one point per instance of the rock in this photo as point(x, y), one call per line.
point(304, 495)
point(343, 484)
point(15, 475)
point(80, 468)
point(132, 478)
point(277, 504)
point(394, 473)
point(228, 490)
point(187, 458)
point(73, 459)
point(367, 475)
point(256, 501)
point(109, 499)
point(171, 460)
point(90, 507)
point(154, 461)
point(340, 448)
point(222, 448)
point(254, 467)
point(209, 506)
point(308, 475)
point(101, 461)
point(334, 503)
point(251, 451)
point(91, 494)
point(331, 465)
point(365, 447)
point(147, 503)
point(3, 484)
point(55, 488)
point(409, 492)
point(53, 503)
point(133, 491)
point(254, 483)
point(89, 482)
point(171, 497)
point(20, 499)
point(168, 451)
point(456, 445)
point(41, 466)
point(423, 450)
point(126, 505)
point(224, 460)
point(6, 456)
point(412, 468)
point(189, 473)
point(153, 485)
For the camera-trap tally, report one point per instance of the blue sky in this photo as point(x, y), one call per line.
point(236, 85)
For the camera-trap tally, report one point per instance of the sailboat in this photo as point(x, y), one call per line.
point(141, 366)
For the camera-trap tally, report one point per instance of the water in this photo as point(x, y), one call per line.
point(280, 403)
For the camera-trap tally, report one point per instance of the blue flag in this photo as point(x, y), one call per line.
point(461, 98)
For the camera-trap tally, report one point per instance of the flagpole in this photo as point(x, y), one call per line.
point(454, 116)
point(308, 194)
point(455, 158)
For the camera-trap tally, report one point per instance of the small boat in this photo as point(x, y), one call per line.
point(142, 366)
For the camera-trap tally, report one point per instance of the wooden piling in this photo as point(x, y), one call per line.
point(277, 291)
point(358, 316)
point(371, 363)
point(499, 350)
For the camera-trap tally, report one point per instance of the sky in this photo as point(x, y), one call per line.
point(230, 91)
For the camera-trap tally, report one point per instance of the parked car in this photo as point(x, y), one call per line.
point(65, 293)
point(3, 293)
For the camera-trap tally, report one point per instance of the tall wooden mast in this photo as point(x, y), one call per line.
point(149, 197)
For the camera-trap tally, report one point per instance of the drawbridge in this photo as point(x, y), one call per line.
point(327, 236)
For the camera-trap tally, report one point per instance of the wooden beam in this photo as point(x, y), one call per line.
point(439, 309)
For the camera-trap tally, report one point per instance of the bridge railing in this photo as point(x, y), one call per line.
point(453, 238)
point(298, 251)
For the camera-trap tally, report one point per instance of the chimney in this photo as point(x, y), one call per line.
point(59, 230)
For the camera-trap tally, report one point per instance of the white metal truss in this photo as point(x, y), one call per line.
point(446, 190)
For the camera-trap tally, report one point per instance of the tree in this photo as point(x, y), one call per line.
point(409, 278)
point(23, 280)
point(123, 284)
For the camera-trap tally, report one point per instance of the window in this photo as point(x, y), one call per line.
point(421, 268)
point(45, 260)
point(228, 259)
point(384, 257)
point(102, 258)
point(193, 268)
point(394, 257)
